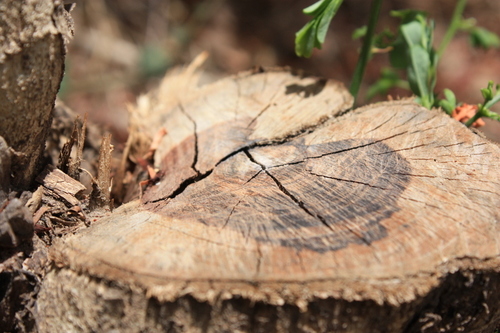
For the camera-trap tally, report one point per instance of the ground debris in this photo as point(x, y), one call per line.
point(62, 206)
point(101, 189)
point(60, 185)
point(73, 145)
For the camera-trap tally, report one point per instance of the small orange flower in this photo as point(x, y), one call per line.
point(465, 112)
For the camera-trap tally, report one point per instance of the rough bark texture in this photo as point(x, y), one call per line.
point(31, 68)
point(277, 211)
point(32, 34)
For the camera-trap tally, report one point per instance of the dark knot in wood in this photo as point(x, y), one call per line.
point(348, 187)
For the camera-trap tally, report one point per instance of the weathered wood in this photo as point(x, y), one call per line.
point(100, 196)
point(60, 185)
point(278, 212)
point(31, 66)
point(5, 163)
point(32, 49)
point(237, 112)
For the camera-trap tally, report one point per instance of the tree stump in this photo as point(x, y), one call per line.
point(32, 51)
point(278, 211)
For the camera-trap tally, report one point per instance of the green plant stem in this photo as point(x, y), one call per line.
point(456, 19)
point(472, 120)
point(365, 49)
point(482, 112)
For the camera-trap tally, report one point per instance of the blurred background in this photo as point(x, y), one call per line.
point(122, 48)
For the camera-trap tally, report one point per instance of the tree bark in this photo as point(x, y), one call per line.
point(32, 38)
point(278, 211)
point(31, 67)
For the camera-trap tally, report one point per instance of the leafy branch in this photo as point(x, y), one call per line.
point(410, 51)
point(491, 97)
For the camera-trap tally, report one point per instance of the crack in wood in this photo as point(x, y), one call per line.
point(481, 190)
point(303, 131)
point(199, 176)
point(480, 154)
point(259, 114)
point(409, 120)
point(414, 175)
point(428, 120)
point(382, 124)
point(457, 204)
point(390, 172)
point(195, 134)
point(288, 194)
point(334, 152)
point(232, 211)
point(424, 159)
point(180, 189)
point(403, 149)
point(356, 147)
point(465, 164)
point(253, 177)
point(420, 131)
point(347, 180)
point(451, 145)
point(271, 103)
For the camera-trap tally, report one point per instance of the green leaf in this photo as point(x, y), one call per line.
point(449, 103)
point(418, 72)
point(410, 33)
point(490, 96)
point(450, 96)
point(398, 57)
point(482, 38)
point(313, 34)
point(447, 106)
point(359, 32)
point(413, 51)
point(305, 40)
point(325, 18)
point(488, 91)
point(413, 33)
point(315, 8)
point(408, 15)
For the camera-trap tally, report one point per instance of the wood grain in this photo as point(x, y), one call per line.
point(60, 185)
point(237, 112)
point(438, 206)
point(380, 206)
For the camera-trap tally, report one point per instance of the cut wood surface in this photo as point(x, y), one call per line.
point(278, 211)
